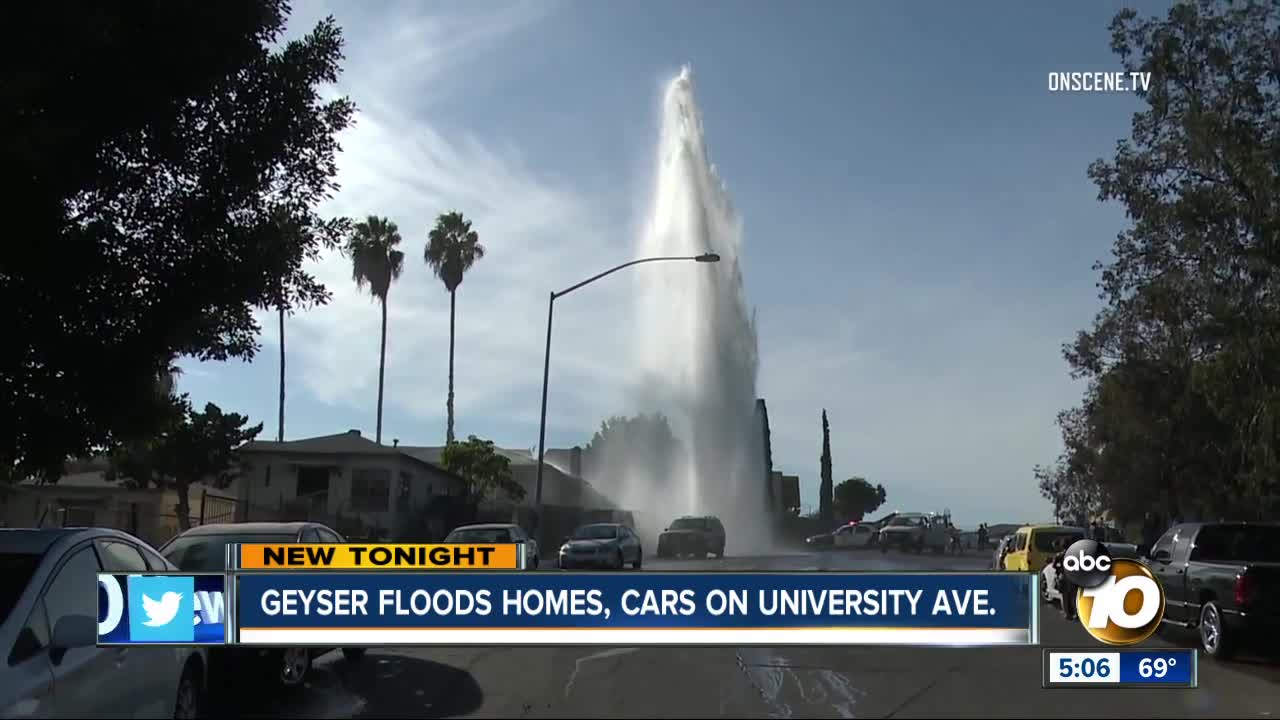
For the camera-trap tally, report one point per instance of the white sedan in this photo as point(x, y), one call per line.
point(1049, 585)
point(853, 536)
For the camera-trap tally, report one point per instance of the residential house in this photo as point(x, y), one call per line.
point(391, 491)
point(562, 483)
point(84, 497)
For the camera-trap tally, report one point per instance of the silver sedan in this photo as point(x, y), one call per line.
point(601, 545)
point(49, 621)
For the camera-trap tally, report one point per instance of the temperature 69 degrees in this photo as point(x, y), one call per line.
point(1121, 667)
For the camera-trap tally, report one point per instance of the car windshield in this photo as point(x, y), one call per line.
point(1046, 538)
point(902, 520)
point(208, 553)
point(1238, 543)
point(689, 524)
point(479, 536)
point(595, 532)
point(17, 569)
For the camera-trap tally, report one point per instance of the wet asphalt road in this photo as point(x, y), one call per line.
point(757, 682)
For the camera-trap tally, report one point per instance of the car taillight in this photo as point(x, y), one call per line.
point(1245, 589)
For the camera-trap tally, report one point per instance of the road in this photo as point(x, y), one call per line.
point(819, 682)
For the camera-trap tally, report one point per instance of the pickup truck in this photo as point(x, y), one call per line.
point(1222, 579)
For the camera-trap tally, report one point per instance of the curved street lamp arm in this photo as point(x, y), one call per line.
point(610, 271)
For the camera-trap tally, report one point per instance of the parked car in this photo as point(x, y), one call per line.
point(853, 535)
point(49, 632)
point(497, 533)
point(693, 535)
point(1222, 579)
point(601, 545)
point(204, 549)
point(914, 532)
point(1032, 546)
point(997, 556)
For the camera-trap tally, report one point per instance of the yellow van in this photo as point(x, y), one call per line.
point(1032, 546)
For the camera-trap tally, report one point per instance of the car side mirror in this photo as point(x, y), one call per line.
point(1162, 556)
point(74, 631)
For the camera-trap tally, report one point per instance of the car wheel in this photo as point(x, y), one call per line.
point(189, 702)
point(1213, 633)
point(294, 665)
point(354, 654)
point(639, 559)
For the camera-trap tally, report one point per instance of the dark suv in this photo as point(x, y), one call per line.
point(692, 535)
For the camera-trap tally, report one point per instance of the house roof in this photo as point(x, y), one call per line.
point(350, 442)
point(558, 484)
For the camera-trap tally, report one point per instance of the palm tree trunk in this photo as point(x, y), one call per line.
point(453, 296)
point(382, 367)
point(280, 431)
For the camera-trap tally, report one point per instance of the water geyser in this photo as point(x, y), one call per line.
point(695, 346)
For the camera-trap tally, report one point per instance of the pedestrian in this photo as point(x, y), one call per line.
point(982, 536)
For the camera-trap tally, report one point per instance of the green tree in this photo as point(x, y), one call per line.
point(197, 446)
point(643, 445)
point(377, 264)
point(825, 491)
point(143, 170)
point(856, 497)
point(452, 248)
point(1182, 410)
point(487, 471)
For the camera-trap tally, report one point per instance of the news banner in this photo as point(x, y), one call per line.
point(362, 595)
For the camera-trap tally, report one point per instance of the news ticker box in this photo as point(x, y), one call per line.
point(360, 609)
point(1121, 667)
point(163, 609)
point(375, 557)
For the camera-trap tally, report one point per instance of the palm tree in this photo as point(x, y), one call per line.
point(376, 262)
point(452, 248)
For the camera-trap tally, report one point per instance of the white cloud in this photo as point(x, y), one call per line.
point(539, 234)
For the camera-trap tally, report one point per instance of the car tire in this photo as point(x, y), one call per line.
point(189, 702)
point(292, 666)
point(354, 655)
point(1214, 638)
point(639, 560)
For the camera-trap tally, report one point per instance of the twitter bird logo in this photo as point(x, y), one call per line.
point(171, 618)
point(162, 612)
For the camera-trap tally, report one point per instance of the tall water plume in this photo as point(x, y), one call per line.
point(695, 345)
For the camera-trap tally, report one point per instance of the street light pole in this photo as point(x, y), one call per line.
point(546, 361)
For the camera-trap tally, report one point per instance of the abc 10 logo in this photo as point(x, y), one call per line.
point(1119, 602)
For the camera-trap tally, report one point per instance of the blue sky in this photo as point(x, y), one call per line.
point(919, 229)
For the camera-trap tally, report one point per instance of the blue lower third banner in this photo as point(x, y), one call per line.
point(161, 610)
point(636, 609)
